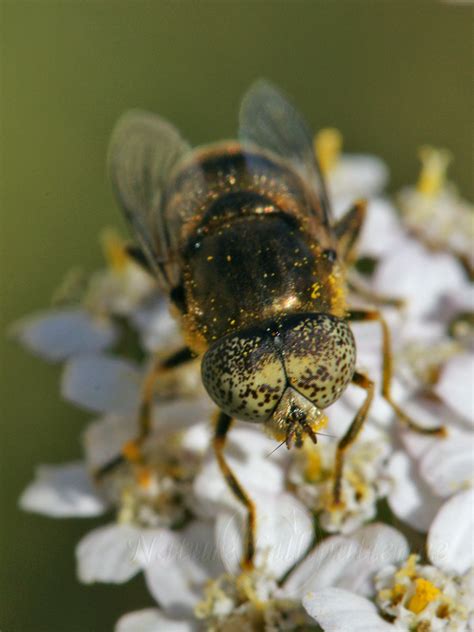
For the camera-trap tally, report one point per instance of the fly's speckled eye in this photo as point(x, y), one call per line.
point(319, 356)
point(247, 373)
point(244, 375)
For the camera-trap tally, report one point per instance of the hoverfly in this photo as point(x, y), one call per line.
point(241, 237)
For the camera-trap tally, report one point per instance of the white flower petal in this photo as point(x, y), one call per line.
point(154, 546)
point(197, 437)
point(410, 499)
point(62, 491)
point(102, 383)
point(357, 175)
point(382, 231)
point(449, 542)
point(458, 301)
point(455, 385)
point(158, 329)
point(109, 554)
point(60, 334)
point(448, 464)
point(381, 545)
point(151, 620)
point(283, 533)
point(348, 561)
point(181, 413)
point(176, 577)
point(338, 610)
point(403, 274)
point(325, 566)
point(104, 438)
point(429, 413)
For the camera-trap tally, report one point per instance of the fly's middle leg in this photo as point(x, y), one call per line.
point(131, 451)
point(351, 434)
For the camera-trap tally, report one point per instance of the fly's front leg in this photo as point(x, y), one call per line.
point(131, 451)
point(361, 315)
point(351, 434)
point(347, 231)
point(223, 424)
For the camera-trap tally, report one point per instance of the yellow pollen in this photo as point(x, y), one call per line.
point(144, 477)
point(321, 422)
point(397, 593)
point(409, 570)
point(443, 611)
point(434, 164)
point(360, 488)
point(315, 290)
point(327, 147)
point(229, 258)
point(245, 585)
point(210, 258)
point(114, 250)
point(425, 593)
point(313, 469)
point(131, 451)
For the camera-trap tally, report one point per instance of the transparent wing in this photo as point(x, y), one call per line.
point(143, 150)
point(269, 120)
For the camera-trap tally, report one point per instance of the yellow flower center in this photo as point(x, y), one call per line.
point(114, 250)
point(409, 570)
point(144, 477)
point(131, 451)
point(327, 147)
point(434, 164)
point(313, 468)
point(425, 593)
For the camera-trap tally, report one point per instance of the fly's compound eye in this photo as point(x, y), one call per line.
point(319, 355)
point(244, 375)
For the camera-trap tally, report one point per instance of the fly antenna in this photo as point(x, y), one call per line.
point(326, 434)
point(277, 448)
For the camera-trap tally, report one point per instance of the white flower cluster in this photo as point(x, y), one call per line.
point(318, 564)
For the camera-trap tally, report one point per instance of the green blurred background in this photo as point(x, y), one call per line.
point(390, 75)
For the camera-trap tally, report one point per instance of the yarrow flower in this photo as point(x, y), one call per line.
point(411, 595)
point(270, 598)
point(434, 210)
point(366, 481)
point(170, 513)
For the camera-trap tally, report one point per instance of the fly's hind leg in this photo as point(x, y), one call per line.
point(368, 315)
point(131, 451)
point(351, 434)
point(223, 424)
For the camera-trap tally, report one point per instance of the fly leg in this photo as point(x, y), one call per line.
point(131, 451)
point(347, 231)
point(367, 315)
point(223, 424)
point(351, 434)
point(358, 285)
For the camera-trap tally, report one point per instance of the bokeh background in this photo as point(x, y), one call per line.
point(391, 75)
